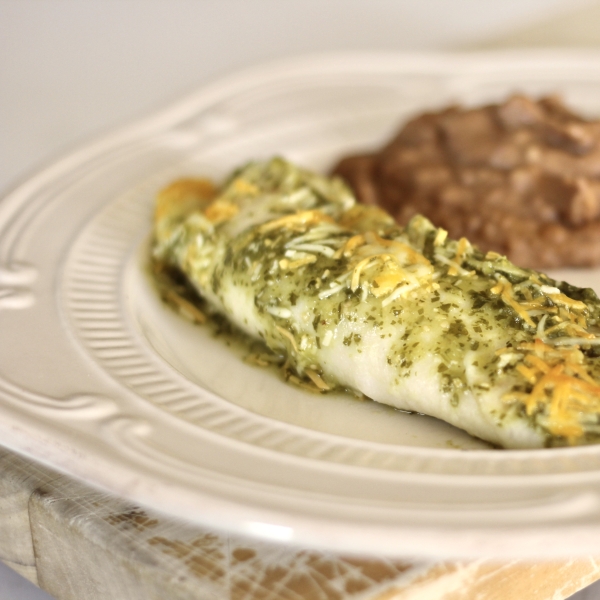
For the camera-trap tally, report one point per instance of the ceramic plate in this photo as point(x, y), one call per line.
point(102, 381)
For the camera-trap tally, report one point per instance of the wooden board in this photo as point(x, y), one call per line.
point(75, 543)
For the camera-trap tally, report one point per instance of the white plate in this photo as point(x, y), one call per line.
point(100, 380)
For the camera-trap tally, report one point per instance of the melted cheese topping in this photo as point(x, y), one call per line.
point(182, 197)
point(563, 391)
point(504, 289)
point(461, 249)
point(397, 266)
point(221, 210)
point(379, 266)
point(562, 388)
point(299, 221)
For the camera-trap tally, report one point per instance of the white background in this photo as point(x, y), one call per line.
point(73, 69)
point(70, 69)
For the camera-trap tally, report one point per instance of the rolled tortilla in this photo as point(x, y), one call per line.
point(405, 316)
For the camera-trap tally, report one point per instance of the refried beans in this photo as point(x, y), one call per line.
point(521, 178)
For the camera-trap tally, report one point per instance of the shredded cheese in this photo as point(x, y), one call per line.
point(461, 248)
point(185, 307)
point(221, 210)
point(398, 264)
point(286, 334)
point(244, 187)
point(317, 380)
point(562, 388)
point(440, 237)
point(504, 289)
point(182, 197)
point(298, 221)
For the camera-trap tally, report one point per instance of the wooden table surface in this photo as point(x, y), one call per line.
point(81, 544)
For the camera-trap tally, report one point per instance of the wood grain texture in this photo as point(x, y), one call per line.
point(78, 543)
point(489, 580)
point(16, 487)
